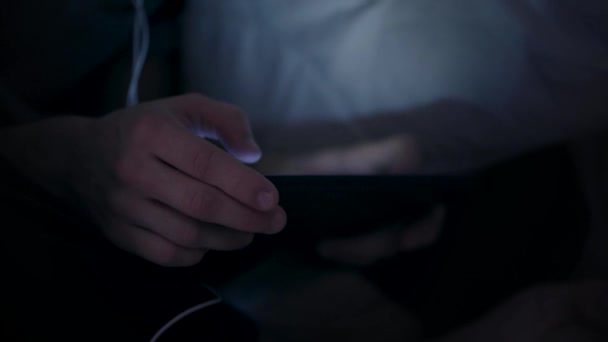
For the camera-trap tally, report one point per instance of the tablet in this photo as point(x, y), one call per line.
point(335, 205)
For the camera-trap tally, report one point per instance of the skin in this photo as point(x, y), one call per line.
point(388, 155)
point(149, 181)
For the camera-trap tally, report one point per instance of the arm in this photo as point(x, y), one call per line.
point(148, 181)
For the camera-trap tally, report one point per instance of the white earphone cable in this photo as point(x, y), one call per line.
point(141, 44)
point(218, 299)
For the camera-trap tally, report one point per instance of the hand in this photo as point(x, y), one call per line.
point(157, 189)
point(390, 155)
point(385, 242)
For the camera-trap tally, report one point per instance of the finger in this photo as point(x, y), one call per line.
point(151, 246)
point(211, 165)
point(407, 159)
point(424, 232)
point(206, 203)
point(362, 250)
point(220, 121)
point(368, 157)
point(183, 230)
point(389, 155)
point(327, 162)
point(393, 154)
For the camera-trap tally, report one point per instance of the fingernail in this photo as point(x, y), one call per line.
point(248, 157)
point(254, 144)
point(278, 221)
point(253, 147)
point(265, 200)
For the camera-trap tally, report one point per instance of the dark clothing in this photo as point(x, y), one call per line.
point(63, 282)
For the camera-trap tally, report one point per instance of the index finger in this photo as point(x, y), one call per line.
point(218, 121)
point(207, 163)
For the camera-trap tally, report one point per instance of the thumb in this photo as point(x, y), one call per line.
point(218, 121)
